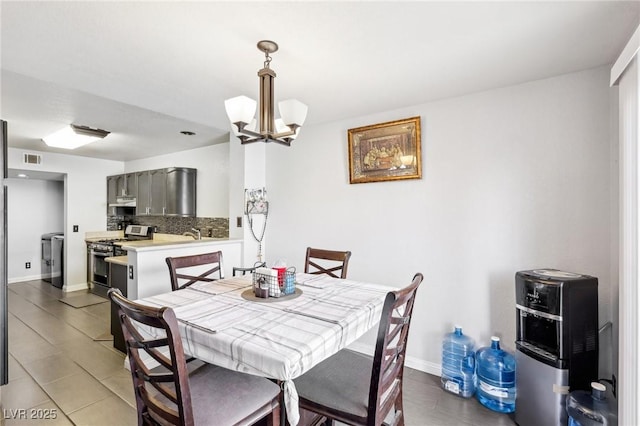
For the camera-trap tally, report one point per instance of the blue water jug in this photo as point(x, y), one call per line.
point(458, 364)
point(496, 371)
point(591, 408)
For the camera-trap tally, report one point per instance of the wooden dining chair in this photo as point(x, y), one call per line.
point(329, 262)
point(183, 270)
point(168, 395)
point(360, 390)
point(237, 270)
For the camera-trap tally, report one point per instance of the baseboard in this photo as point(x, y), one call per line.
point(75, 287)
point(411, 362)
point(22, 279)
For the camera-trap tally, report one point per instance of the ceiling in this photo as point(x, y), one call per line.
point(147, 70)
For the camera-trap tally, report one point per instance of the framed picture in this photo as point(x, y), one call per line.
point(385, 151)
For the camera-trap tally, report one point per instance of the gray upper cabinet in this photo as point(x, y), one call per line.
point(180, 195)
point(121, 194)
point(167, 192)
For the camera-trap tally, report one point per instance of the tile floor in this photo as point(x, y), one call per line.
point(56, 367)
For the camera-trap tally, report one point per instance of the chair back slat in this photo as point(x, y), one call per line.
point(170, 379)
point(237, 270)
point(389, 357)
point(187, 270)
point(320, 261)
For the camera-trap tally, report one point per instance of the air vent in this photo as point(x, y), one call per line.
point(32, 158)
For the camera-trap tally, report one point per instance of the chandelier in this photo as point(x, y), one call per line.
point(241, 109)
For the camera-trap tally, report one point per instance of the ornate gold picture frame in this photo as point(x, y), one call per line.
point(385, 151)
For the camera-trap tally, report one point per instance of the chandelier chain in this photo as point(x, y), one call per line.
point(267, 59)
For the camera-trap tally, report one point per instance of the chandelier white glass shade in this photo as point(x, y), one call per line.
point(74, 136)
point(241, 110)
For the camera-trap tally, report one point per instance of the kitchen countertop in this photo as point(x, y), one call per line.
point(161, 244)
point(101, 235)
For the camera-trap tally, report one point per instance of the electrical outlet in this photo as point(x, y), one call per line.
point(27, 265)
point(239, 221)
point(75, 228)
point(130, 272)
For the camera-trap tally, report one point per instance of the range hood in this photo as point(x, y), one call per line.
point(124, 201)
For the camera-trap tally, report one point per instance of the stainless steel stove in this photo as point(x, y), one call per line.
point(98, 251)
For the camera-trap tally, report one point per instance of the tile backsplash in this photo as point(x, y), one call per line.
point(217, 227)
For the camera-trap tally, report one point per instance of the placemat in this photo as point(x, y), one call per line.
point(250, 295)
point(83, 300)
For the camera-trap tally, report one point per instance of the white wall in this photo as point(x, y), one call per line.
point(212, 186)
point(513, 179)
point(85, 203)
point(34, 207)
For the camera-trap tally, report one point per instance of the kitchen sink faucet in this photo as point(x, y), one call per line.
point(195, 233)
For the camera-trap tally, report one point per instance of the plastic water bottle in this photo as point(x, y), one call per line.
point(591, 408)
point(458, 364)
point(496, 371)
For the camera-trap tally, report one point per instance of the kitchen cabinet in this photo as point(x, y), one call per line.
point(151, 192)
point(119, 187)
point(167, 192)
point(180, 194)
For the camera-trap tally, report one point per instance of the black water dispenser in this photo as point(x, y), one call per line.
point(556, 342)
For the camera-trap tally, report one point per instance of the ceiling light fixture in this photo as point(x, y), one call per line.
point(241, 109)
point(74, 136)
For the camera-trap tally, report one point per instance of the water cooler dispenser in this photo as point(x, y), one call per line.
point(556, 342)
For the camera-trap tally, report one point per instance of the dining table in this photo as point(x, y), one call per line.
point(224, 323)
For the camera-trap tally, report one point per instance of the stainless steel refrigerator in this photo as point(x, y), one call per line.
point(4, 317)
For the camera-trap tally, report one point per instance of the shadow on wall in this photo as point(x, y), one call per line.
point(502, 308)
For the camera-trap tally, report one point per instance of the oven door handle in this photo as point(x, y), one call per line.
point(100, 254)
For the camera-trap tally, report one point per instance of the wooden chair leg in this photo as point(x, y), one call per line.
point(399, 408)
point(274, 418)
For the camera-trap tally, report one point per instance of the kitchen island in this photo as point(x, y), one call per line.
point(147, 271)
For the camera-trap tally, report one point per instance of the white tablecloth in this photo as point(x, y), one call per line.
point(279, 339)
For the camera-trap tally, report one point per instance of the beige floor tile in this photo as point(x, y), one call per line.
point(100, 311)
point(122, 385)
point(27, 351)
point(108, 412)
point(77, 391)
point(15, 369)
point(30, 293)
point(52, 368)
point(51, 328)
point(47, 414)
point(20, 333)
point(94, 330)
point(46, 288)
point(22, 393)
point(57, 308)
point(99, 361)
point(79, 319)
point(17, 304)
point(109, 345)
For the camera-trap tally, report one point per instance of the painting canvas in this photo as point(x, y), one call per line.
point(385, 151)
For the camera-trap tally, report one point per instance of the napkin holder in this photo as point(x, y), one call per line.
point(266, 279)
